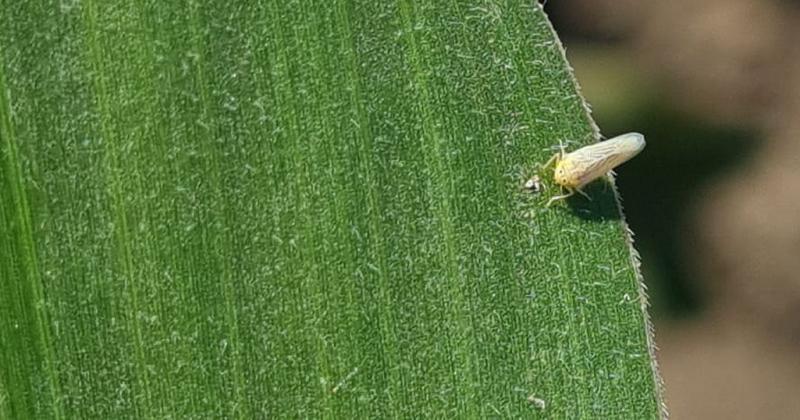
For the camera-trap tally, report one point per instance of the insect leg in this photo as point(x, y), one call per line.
point(583, 194)
point(560, 197)
point(550, 162)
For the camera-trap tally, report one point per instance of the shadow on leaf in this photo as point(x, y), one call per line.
point(602, 206)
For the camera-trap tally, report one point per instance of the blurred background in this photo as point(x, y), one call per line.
point(714, 200)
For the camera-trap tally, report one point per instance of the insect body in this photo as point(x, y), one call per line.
point(578, 168)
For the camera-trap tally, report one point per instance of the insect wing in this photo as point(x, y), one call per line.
point(594, 161)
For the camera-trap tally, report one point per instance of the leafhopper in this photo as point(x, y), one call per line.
point(576, 169)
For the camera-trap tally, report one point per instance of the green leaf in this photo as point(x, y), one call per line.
point(290, 209)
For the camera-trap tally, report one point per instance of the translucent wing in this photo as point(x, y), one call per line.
point(594, 161)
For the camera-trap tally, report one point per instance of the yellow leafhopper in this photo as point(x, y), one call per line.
point(575, 169)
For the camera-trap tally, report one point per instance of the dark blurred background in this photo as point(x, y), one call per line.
point(714, 200)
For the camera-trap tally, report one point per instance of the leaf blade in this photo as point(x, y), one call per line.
point(315, 210)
